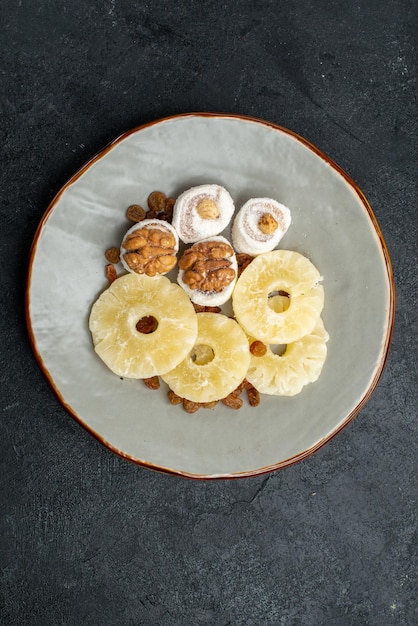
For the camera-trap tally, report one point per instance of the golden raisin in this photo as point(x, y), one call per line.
point(112, 255)
point(190, 407)
point(258, 348)
point(135, 213)
point(253, 396)
point(243, 261)
point(156, 201)
point(174, 398)
point(233, 401)
point(152, 383)
point(111, 273)
point(169, 205)
point(147, 324)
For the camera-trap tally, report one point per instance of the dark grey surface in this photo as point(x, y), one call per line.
point(88, 538)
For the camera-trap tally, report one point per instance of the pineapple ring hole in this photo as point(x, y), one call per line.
point(278, 349)
point(147, 325)
point(202, 354)
point(278, 300)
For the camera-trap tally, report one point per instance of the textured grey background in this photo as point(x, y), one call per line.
point(88, 538)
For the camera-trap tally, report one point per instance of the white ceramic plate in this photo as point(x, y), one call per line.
point(332, 224)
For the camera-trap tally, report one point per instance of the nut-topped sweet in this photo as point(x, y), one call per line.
point(201, 212)
point(150, 247)
point(208, 271)
point(259, 226)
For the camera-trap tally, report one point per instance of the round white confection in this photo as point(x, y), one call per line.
point(191, 227)
point(148, 224)
point(247, 236)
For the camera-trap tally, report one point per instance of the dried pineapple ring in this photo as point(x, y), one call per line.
point(270, 273)
point(299, 365)
point(114, 320)
point(217, 364)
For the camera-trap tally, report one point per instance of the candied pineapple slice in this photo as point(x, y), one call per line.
point(256, 303)
point(300, 364)
point(124, 334)
point(216, 365)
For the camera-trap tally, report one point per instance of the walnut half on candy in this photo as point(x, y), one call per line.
point(150, 247)
point(208, 271)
